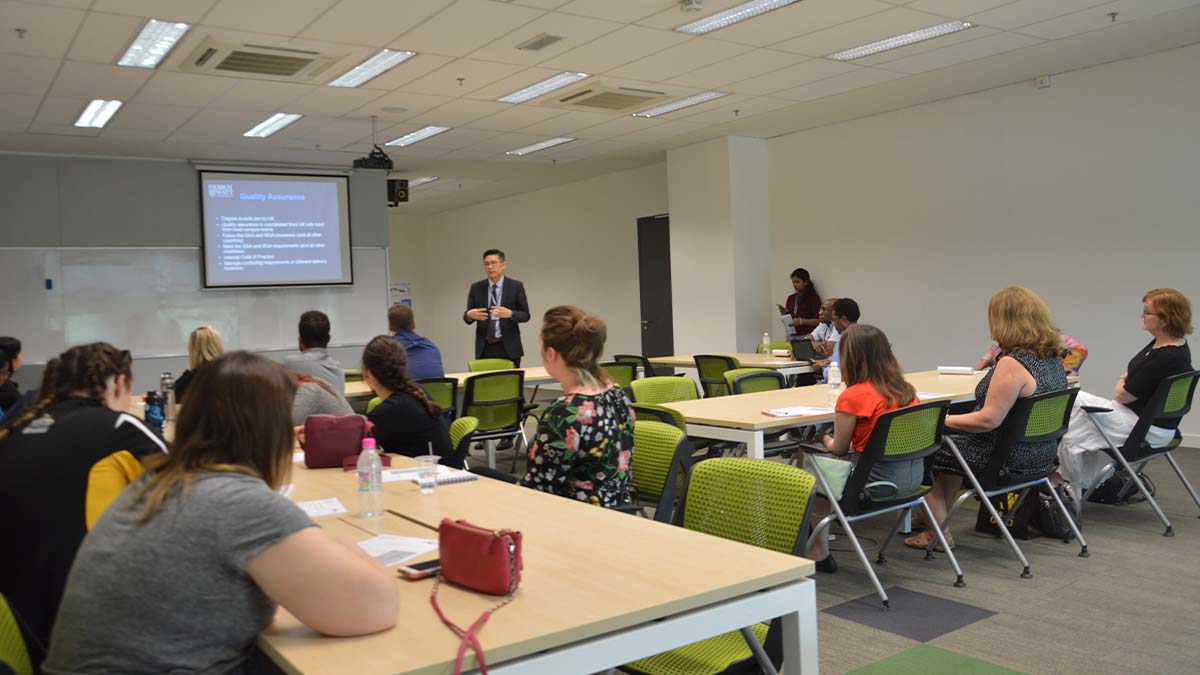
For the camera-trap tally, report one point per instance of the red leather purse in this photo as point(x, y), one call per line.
point(329, 439)
point(480, 559)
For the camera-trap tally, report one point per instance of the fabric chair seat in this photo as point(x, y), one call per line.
point(707, 657)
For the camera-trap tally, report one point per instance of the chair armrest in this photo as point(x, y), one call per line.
point(1094, 409)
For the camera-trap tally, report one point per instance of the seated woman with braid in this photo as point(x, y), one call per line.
point(406, 420)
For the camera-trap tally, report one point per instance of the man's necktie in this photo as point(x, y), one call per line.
point(495, 318)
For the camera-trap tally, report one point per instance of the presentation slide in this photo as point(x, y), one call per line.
point(275, 230)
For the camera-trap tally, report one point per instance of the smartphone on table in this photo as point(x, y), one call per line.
point(422, 570)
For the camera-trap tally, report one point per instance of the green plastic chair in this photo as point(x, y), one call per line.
point(754, 502)
point(1040, 418)
point(664, 389)
point(13, 651)
point(484, 365)
point(661, 455)
point(462, 434)
point(372, 404)
point(712, 369)
point(444, 392)
point(622, 373)
point(638, 362)
point(751, 380)
point(659, 413)
point(495, 399)
point(354, 375)
point(773, 345)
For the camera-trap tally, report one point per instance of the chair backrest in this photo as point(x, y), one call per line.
point(373, 404)
point(1170, 401)
point(712, 369)
point(640, 361)
point(661, 455)
point(802, 350)
point(494, 398)
point(484, 365)
point(664, 389)
point(1039, 418)
point(354, 375)
point(461, 433)
point(771, 346)
point(443, 391)
point(12, 644)
point(753, 501)
point(659, 413)
point(750, 380)
point(901, 435)
point(623, 373)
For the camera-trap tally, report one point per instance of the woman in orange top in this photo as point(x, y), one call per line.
point(875, 385)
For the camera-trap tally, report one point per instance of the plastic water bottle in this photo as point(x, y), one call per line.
point(766, 344)
point(166, 384)
point(370, 481)
point(835, 384)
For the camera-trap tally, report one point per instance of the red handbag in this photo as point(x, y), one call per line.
point(329, 439)
point(480, 559)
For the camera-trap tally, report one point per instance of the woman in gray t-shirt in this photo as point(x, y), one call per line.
point(185, 569)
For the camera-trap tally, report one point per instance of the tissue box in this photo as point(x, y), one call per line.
point(783, 353)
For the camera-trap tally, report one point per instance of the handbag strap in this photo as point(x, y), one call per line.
point(468, 635)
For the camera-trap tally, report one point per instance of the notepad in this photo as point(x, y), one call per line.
point(391, 549)
point(797, 411)
point(957, 370)
point(322, 507)
point(445, 475)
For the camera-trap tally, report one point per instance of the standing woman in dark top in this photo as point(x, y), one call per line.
point(1167, 316)
point(804, 305)
point(406, 420)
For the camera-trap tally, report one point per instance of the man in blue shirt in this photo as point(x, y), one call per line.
point(424, 358)
point(845, 313)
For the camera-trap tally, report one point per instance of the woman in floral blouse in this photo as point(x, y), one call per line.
point(584, 441)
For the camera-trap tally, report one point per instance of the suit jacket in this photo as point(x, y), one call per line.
point(512, 296)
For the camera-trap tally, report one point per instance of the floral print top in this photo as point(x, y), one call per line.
point(583, 449)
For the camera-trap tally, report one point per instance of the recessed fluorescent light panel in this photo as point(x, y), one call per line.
point(539, 146)
point(153, 44)
point(544, 87)
point(272, 124)
point(919, 35)
point(373, 67)
point(417, 136)
point(746, 10)
point(421, 181)
point(98, 113)
point(681, 104)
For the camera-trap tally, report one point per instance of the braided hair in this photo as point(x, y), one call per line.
point(384, 357)
point(85, 368)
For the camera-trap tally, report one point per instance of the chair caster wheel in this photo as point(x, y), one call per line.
point(929, 555)
point(1170, 532)
point(1026, 574)
point(1083, 552)
point(886, 605)
point(959, 583)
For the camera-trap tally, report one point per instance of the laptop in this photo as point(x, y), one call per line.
point(802, 350)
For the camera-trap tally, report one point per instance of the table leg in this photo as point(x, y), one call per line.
point(800, 634)
point(755, 448)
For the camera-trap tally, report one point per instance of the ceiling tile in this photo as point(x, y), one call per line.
point(512, 83)
point(688, 56)
point(459, 112)
point(1097, 17)
point(332, 101)
point(266, 17)
point(63, 130)
point(744, 66)
point(399, 106)
point(61, 110)
point(792, 76)
point(48, 29)
point(576, 30)
point(475, 74)
point(565, 125)
point(625, 11)
point(505, 142)
point(327, 132)
point(223, 122)
point(142, 135)
point(170, 88)
point(625, 124)
point(74, 4)
point(744, 108)
point(416, 67)
point(466, 26)
point(976, 33)
point(517, 117)
point(374, 23)
point(189, 11)
point(450, 140)
point(615, 49)
point(960, 53)
point(261, 95)
point(1025, 12)
point(103, 38)
point(672, 17)
point(18, 109)
point(665, 129)
point(956, 9)
point(27, 74)
point(797, 19)
point(861, 32)
point(414, 153)
point(92, 80)
point(837, 85)
point(542, 4)
point(151, 117)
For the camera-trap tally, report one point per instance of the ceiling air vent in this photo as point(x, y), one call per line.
point(540, 42)
point(607, 96)
point(266, 61)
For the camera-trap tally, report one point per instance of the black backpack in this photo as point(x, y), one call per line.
point(1119, 489)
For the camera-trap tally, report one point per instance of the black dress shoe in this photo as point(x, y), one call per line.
point(827, 565)
point(505, 444)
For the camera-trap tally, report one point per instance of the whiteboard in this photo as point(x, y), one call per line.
point(148, 300)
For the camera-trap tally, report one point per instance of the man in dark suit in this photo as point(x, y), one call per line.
point(497, 306)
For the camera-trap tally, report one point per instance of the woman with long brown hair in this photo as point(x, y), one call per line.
point(1030, 363)
point(406, 420)
point(185, 569)
point(584, 441)
point(875, 385)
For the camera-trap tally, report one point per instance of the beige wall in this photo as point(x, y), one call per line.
point(1086, 192)
point(573, 243)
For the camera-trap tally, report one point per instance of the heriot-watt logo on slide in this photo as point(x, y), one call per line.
point(220, 190)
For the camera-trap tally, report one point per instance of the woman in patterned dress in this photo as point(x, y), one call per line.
point(1030, 363)
point(584, 442)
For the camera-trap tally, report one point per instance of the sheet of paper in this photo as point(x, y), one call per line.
point(391, 549)
point(798, 411)
point(322, 507)
point(957, 370)
point(927, 395)
point(392, 475)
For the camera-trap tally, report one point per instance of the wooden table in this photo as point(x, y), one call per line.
point(785, 366)
point(740, 418)
point(599, 589)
